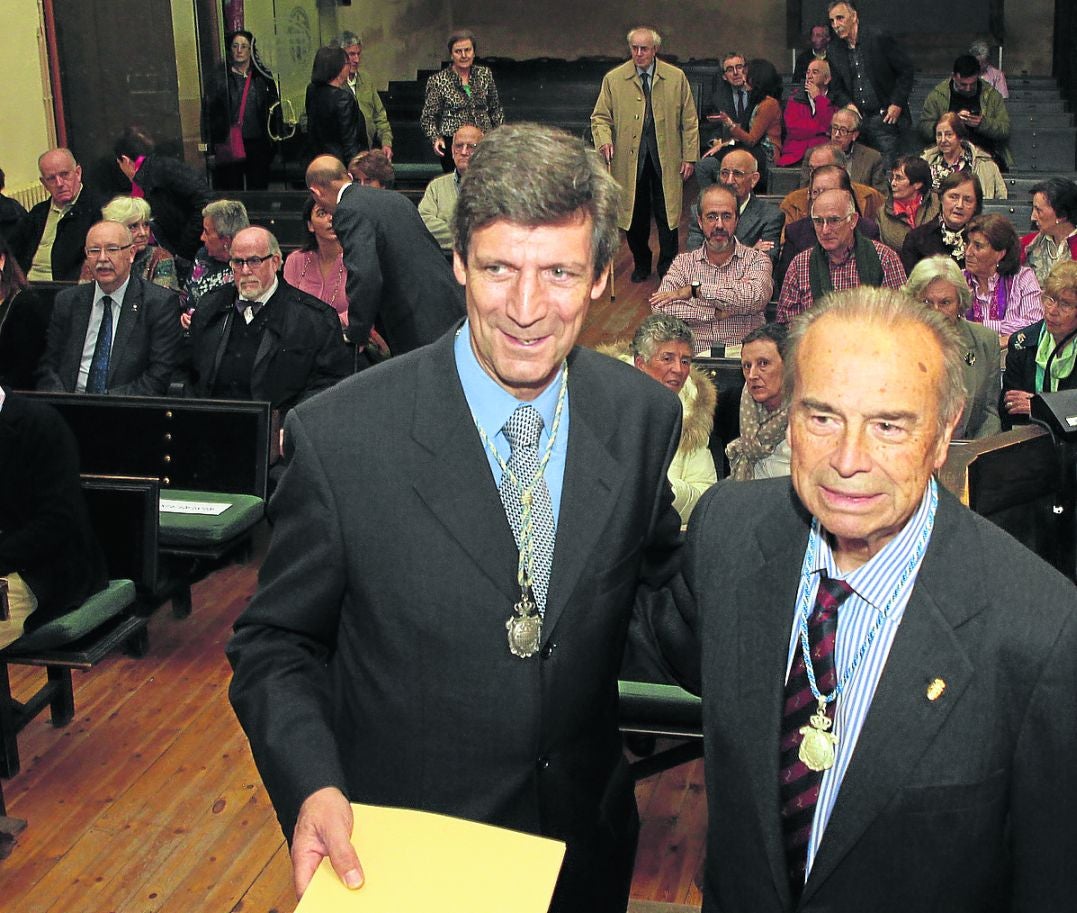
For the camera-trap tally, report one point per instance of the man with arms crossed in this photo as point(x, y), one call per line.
point(425, 660)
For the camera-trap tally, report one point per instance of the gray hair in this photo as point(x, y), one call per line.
point(939, 268)
point(346, 40)
point(656, 39)
point(858, 121)
point(848, 196)
point(889, 308)
point(533, 175)
point(729, 55)
point(126, 209)
point(978, 49)
point(229, 217)
point(656, 330)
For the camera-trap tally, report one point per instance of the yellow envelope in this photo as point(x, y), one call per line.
point(422, 862)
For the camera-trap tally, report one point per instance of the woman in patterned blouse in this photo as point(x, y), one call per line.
point(462, 93)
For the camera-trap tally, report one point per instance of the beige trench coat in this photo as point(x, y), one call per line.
point(618, 119)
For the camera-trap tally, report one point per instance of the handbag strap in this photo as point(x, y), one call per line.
point(243, 101)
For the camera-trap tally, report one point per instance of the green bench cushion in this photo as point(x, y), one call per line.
point(94, 612)
point(204, 529)
point(659, 705)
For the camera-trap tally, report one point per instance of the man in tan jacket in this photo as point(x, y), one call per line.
point(645, 126)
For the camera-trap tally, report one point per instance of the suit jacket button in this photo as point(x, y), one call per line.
point(547, 651)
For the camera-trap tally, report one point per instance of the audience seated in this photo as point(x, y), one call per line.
point(1041, 357)
point(24, 324)
point(759, 223)
point(726, 95)
point(953, 153)
point(960, 198)
point(1005, 295)
point(662, 348)
point(797, 203)
point(841, 258)
point(807, 114)
point(439, 202)
point(372, 168)
point(990, 74)
point(117, 335)
point(49, 555)
point(1054, 210)
point(762, 450)
point(11, 211)
point(979, 107)
point(815, 49)
point(864, 164)
point(940, 285)
point(722, 289)
point(800, 235)
point(261, 338)
point(48, 243)
point(175, 191)
point(910, 202)
point(152, 262)
point(222, 220)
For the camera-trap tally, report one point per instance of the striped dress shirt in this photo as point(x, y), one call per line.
point(796, 296)
point(1024, 304)
point(732, 297)
point(873, 584)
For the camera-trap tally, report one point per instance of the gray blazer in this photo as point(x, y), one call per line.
point(982, 380)
point(963, 804)
point(145, 346)
point(760, 221)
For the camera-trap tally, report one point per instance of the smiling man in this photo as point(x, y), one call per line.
point(457, 543)
point(902, 694)
point(119, 334)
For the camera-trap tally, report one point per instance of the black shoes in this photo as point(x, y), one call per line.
point(639, 274)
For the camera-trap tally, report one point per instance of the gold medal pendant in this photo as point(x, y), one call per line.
point(817, 745)
point(524, 627)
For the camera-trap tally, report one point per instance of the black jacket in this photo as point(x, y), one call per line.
point(45, 533)
point(176, 194)
point(335, 125)
point(890, 70)
point(301, 351)
point(1020, 373)
point(719, 98)
point(68, 251)
point(24, 327)
point(221, 98)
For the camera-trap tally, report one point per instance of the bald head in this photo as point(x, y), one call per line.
point(61, 176)
point(325, 176)
point(740, 173)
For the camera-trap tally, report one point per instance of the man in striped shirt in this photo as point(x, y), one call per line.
point(842, 259)
point(721, 289)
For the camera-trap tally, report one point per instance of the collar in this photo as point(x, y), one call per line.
point(116, 296)
point(66, 208)
point(700, 253)
point(850, 253)
point(652, 69)
point(261, 299)
point(340, 193)
point(490, 403)
point(744, 205)
point(3, 396)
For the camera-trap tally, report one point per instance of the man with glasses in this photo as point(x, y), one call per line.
point(797, 203)
point(728, 94)
point(262, 339)
point(759, 224)
point(439, 201)
point(842, 258)
point(118, 334)
point(864, 164)
point(49, 239)
point(722, 289)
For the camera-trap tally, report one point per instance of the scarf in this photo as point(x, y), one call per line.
point(955, 240)
point(997, 310)
point(1061, 360)
point(868, 266)
point(761, 431)
point(906, 211)
point(942, 169)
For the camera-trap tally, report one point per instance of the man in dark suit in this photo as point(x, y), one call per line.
point(49, 555)
point(118, 334)
point(924, 765)
point(402, 649)
point(727, 94)
point(882, 99)
point(262, 339)
point(398, 280)
point(49, 239)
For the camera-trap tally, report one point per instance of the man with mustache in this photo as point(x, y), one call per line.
point(721, 289)
point(118, 334)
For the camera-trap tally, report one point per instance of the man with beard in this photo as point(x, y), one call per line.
point(721, 289)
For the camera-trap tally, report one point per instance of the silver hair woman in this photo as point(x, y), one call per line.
point(152, 262)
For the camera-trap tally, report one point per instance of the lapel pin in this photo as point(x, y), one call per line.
point(970, 358)
point(935, 689)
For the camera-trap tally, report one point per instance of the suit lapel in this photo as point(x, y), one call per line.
point(270, 336)
point(468, 506)
point(81, 307)
point(125, 318)
point(902, 722)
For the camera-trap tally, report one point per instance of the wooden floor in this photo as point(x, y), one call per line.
point(149, 802)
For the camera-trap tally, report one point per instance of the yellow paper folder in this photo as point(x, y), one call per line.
point(418, 862)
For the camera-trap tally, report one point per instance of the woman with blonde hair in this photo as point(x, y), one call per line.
point(152, 262)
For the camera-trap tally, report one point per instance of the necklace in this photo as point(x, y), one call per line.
point(818, 747)
point(524, 625)
point(340, 274)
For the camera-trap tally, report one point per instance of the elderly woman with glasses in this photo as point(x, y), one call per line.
point(938, 283)
point(152, 262)
point(1042, 357)
point(953, 152)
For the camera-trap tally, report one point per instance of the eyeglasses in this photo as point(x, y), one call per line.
point(109, 251)
point(1068, 307)
point(734, 68)
point(464, 147)
point(735, 173)
point(237, 263)
point(829, 221)
point(841, 131)
point(712, 217)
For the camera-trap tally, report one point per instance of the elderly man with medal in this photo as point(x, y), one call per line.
point(890, 710)
point(458, 541)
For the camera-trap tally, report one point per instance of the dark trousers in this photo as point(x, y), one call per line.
point(252, 171)
point(883, 137)
point(650, 198)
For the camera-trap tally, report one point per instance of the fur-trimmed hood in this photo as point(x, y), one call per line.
point(698, 398)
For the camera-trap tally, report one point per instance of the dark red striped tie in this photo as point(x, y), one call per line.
point(799, 785)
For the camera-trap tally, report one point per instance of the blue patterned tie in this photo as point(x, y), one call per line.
point(97, 380)
point(522, 431)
